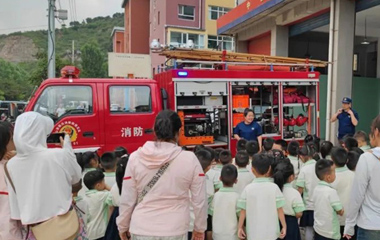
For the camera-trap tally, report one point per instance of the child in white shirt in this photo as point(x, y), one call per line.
point(326, 148)
point(252, 148)
point(343, 182)
point(108, 163)
point(362, 138)
point(98, 202)
point(283, 175)
point(112, 232)
point(262, 204)
point(306, 183)
point(214, 173)
point(352, 160)
point(293, 148)
point(225, 157)
point(206, 159)
point(327, 203)
point(245, 176)
point(89, 162)
point(223, 208)
point(281, 145)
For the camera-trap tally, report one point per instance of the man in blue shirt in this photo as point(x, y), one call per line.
point(348, 119)
point(249, 129)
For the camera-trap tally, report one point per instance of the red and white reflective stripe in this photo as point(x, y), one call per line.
point(201, 174)
point(127, 178)
point(3, 193)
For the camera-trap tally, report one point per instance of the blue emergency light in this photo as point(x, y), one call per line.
point(183, 74)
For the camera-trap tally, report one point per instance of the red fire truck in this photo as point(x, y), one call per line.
point(102, 114)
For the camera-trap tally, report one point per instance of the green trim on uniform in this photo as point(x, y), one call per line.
point(305, 196)
point(242, 204)
point(218, 166)
point(365, 148)
point(323, 183)
point(299, 209)
point(336, 227)
point(109, 174)
point(341, 169)
point(280, 202)
point(78, 198)
point(86, 170)
point(261, 180)
point(227, 189)
point(337, 206)
point(310, 162)
point(243, 170)
point(109, 201)
point(289, 185)
point(293, 158)
point(210, 211)
point(300, 183)
point(209, 200)
point(90, 192)
point(218, 185)
point(106, 214)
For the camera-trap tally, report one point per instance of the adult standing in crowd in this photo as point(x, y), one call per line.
point(155, 197)
point(10, 229)
point(348, 119)
point(42, 177)
point(249, 129)
point(364, 210)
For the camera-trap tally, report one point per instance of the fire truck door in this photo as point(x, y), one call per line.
point(129, 115)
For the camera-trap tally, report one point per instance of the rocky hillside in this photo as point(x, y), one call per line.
point(22, 47)
point(18, 49)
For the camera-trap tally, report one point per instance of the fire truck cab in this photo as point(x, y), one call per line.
point(99, 114)
point(102, 114)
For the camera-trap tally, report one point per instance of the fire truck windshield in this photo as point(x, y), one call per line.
point(59, 101)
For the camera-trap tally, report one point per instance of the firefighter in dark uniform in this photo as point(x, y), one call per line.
point(348, 119)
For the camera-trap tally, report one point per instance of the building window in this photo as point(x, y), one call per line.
point(221, 42)
point(186, 12)
point(178, 39)
point(217, 12)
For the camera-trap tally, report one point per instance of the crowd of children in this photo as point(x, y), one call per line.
point(269, 193)
point(97, 196)
point(256, 195)
point(284, 191)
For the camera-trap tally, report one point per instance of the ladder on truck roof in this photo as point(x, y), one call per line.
point(196, 56)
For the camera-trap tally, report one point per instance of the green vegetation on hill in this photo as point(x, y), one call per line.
point(97, 30)
point(14, 85)
point(92, 37)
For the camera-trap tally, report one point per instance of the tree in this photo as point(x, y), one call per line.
point(14, 85)
point(92, 61)
point(40, 73)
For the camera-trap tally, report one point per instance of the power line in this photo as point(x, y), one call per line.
point(71, 12)
point(75, 9)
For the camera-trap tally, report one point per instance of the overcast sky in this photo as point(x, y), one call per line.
point(24, 15)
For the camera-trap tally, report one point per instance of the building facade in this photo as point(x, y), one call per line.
point(136, 26)
point(174, 23)
point(117, 36)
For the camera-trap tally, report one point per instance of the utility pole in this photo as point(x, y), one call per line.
point(51, 39)
point(72, 52)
